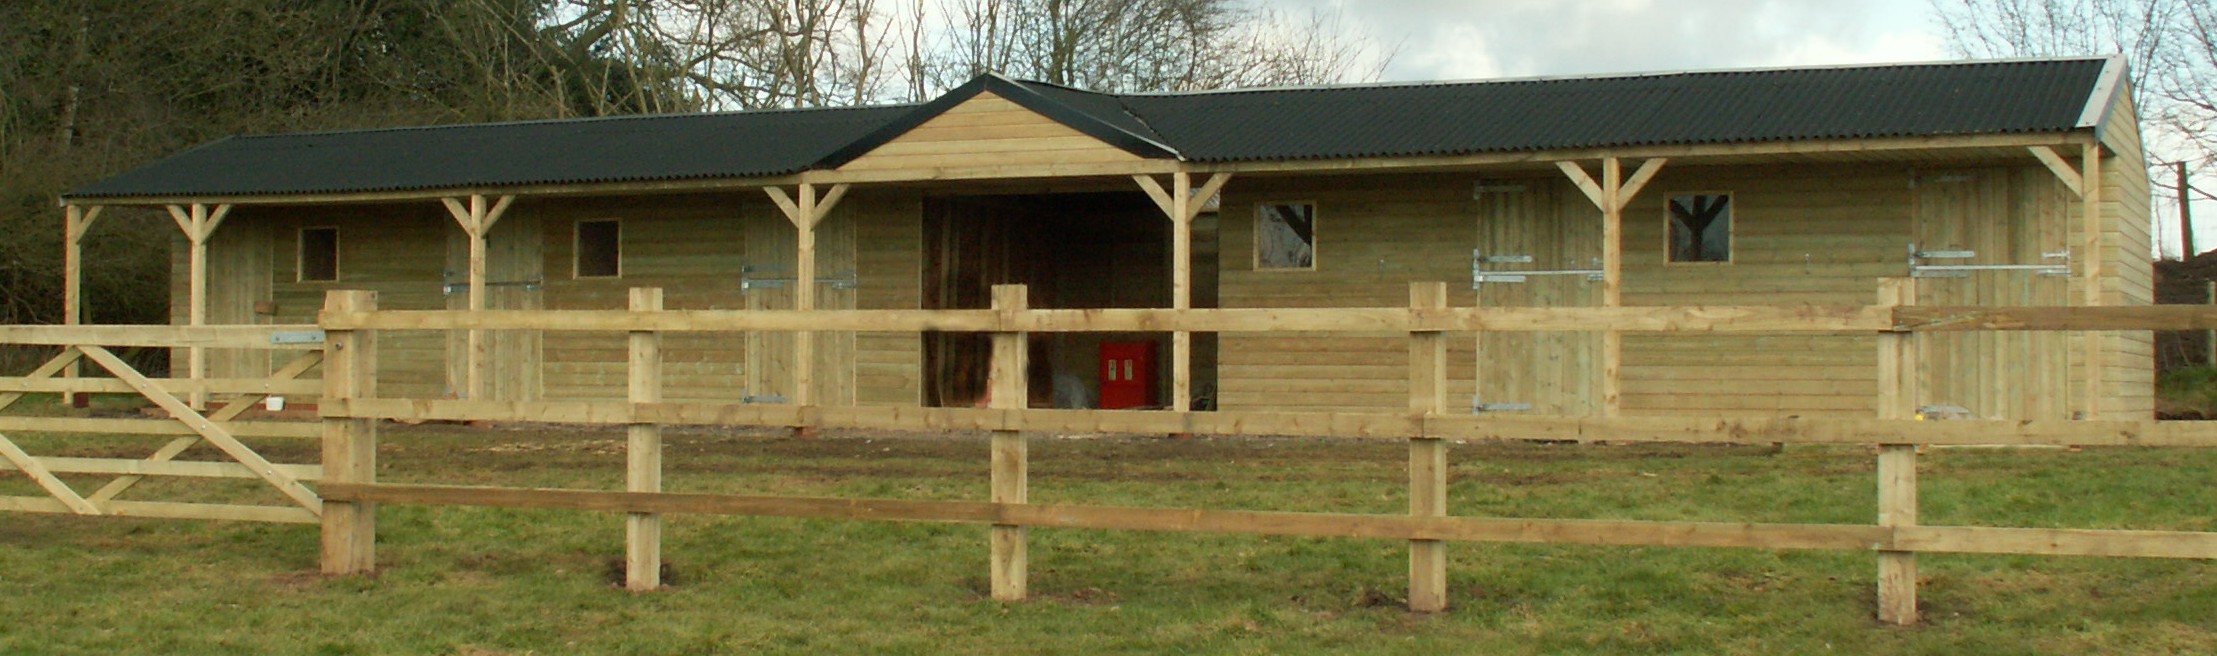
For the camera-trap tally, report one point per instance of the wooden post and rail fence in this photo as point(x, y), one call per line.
point(346, 492)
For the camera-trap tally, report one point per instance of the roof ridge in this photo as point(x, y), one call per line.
point(579, 120)
point(1936, 63)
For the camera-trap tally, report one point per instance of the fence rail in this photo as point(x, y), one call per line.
point(345, 345)
point(1732, 430)
point(1628, 319)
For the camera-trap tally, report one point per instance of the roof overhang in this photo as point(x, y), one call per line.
point(1891, 149)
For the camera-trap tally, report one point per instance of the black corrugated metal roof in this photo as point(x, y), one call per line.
point(1391, 120)
point(616, 149)
point(1668, 109)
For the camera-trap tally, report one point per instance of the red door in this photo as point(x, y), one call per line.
point(1127, 375)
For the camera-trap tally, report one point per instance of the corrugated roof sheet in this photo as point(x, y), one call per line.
point(617, 149)
point(1684, 108)
point(1393, 120)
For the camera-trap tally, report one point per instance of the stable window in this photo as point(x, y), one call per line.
point(599, 249)
point(1701, 228)
point(1285, 236)
point(319, 255)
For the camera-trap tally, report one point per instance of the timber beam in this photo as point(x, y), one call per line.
point(477, 222)
point(1611, 195)
point(805, 209)
point(199, 224)
point(1181, 203)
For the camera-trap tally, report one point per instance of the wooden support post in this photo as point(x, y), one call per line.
point(1611, 195)
point(1181, 203)
point(805, 212)
point(477, 220)
point(1612, 286)
point(75, 221)
point(199, 224)
point(349, 444)
point(1181, 289)
point(643, 531)
point(1427, 455)
point(1011, 454)
point(1898, 392)
point(804, 298)
point(2096, 245)
point(474, 376)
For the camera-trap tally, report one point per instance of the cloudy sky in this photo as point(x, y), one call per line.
point(1461, 39)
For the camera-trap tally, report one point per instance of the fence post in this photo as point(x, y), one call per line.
point(643, 531)
point(349, 443)
point(1898, 391)
point(1010, 391)
point(1427, 455)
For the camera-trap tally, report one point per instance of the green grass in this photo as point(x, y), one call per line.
point(481, 581)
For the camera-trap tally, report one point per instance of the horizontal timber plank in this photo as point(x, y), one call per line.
point(107, 426)
point(2058, 542)
point(1758, 319)
point(251, 337)
point(1738, 430)
point(1397, 527)
point(170, 510)
point(2128, 317)
point(176, 468)
point(177, 386)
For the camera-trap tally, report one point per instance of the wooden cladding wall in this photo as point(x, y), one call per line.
point(2128, 275)
point(1801, 235)
point(396, 250)
point(692, 246)
point(1373, 236)
point(989, 130)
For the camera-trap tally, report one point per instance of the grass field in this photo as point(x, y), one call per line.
point(476, 581)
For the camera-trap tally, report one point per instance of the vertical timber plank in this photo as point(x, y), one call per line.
point(1897, 463)
point(74, 222)
point(1427, 455)
point(643, 451)
point(1612, 285)
point(349, 444)
point(476, 365)
point(2090, 182)
point(1181, 290)
point(196, 312)
point(1011, 454)
point(804, 298)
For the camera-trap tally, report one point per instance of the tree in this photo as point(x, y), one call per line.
point(2168, 45)
point(1148, 45)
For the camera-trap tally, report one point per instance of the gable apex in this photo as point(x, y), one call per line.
point(1097, 115)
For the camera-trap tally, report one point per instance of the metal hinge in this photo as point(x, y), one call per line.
point(297, 337)
point(1481, 407)
point(762, 398)
point(1480, 276)
point(1920, 265)
point(453, 288)
point(748, 278)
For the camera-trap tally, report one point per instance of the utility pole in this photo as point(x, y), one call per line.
point(2186, 215)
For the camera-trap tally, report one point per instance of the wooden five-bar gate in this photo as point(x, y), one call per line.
point(351, 412)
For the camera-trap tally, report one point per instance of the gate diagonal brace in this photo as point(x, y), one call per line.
point(208, 430)
point(30, 466)
point(177, 447)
